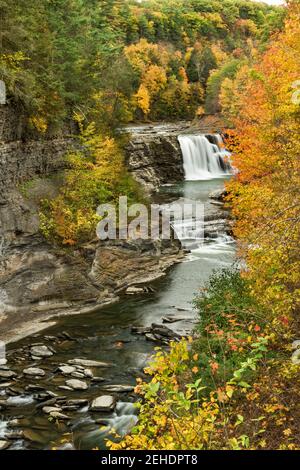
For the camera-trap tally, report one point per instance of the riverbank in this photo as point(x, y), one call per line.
point(231, 386)
point(107, 335)
point(61, 284)
point(40, 280)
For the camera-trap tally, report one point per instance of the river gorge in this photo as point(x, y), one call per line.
point(70, 372)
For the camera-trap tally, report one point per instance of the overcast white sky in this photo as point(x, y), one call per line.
point(273, 2)
point(270, 2)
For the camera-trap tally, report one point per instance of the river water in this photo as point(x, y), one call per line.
point(106, 336)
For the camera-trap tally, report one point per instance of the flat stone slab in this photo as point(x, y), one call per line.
point(77, 384)
point(46, 403)
point(77, 375)
point(33, 436)
point(98, 379)
point(35, 388)
point(14, 435)
point(67, 370)
point(103, 403)
point(34, 371)
point(5, 385)
point(77, 402)
point(50, 409)
point(118, 388)
point(58, 415)
point(41, 351)
point(7, 374)
point(88, 363)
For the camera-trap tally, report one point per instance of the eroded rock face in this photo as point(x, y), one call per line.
point(121, 263)
point(37, 279)
point(153, 154)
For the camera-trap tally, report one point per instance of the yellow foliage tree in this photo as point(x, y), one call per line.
point(154, 79)
point(143, 99)
point(96, 175)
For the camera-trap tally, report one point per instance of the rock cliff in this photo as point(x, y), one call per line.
point(153, 154)
point(38, 280)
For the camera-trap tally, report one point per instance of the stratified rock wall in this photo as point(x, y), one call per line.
point(155, 160)
point(36, 278)
point(153, 154)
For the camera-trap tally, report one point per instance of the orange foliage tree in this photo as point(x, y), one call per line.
point(265, 111)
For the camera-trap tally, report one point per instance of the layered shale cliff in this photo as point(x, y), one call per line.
point(153, 154)
point(23, 158)
point(37, 279)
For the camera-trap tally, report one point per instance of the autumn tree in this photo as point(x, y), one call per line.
point(265, 194)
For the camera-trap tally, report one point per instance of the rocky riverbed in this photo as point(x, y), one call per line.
point(70, 385)
point(43, 398)
point(81, 326)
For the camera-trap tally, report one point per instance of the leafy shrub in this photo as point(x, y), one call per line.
point(227, 293)
point(97, 175)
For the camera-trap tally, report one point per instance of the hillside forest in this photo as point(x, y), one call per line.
point(234, 384)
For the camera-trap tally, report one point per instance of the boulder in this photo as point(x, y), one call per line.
point(34, 371)
point(218, 194)
point(103, 403)
point(77, 384)
point(7, 374)
point(41, 351)
point(164, 331)
point(296, 357)
point(88, 373)
point(67, 370)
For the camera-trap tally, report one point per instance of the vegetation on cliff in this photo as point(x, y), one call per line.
point(110, 62)
point(96, 174)
point(234, 386)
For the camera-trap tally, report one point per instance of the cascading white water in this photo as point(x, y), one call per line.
point(202, 159)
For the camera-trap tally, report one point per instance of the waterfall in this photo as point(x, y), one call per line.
point(204, 157)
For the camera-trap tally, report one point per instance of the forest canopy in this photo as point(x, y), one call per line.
point(119, 61)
